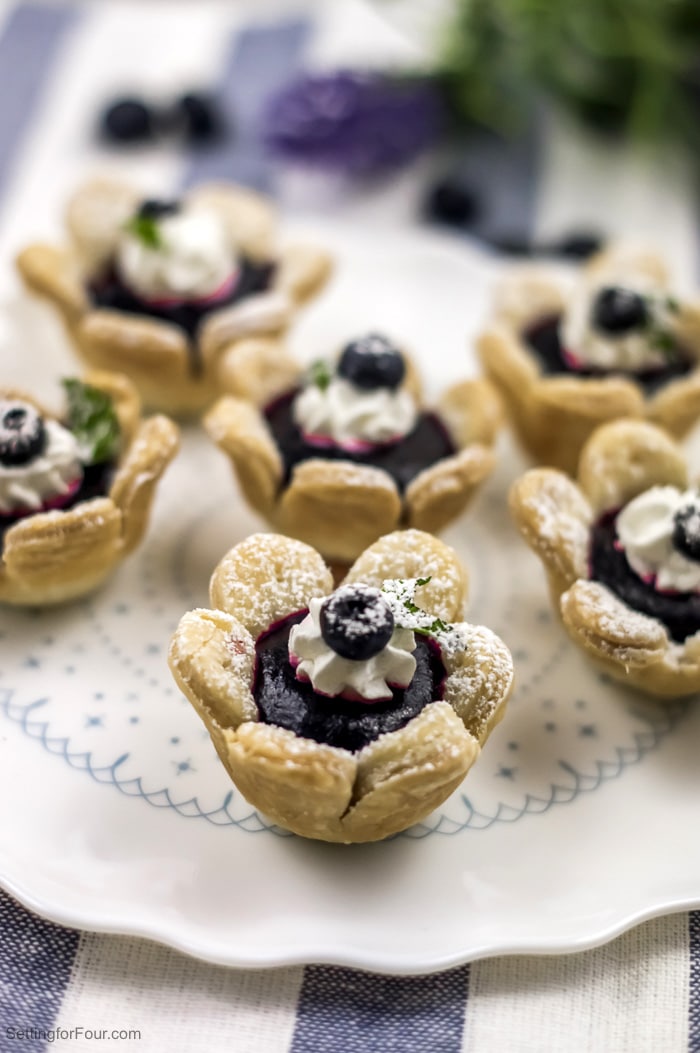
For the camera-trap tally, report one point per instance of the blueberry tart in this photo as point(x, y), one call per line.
point(621, 548)
point(345, 451)
point(75, 489)
point(163, 290)
point(348, 714)
point(568, 354)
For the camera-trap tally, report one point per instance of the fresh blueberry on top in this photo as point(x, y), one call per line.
point(127, 120)
point(152, 208)
point(372, 362)
point(356, 622)
point(686, 531)
point(22, 433)
point(617, 310)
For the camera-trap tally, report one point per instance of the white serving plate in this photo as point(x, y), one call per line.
point(116, 815)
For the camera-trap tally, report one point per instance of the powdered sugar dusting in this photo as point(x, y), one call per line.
point(560, 518)
point(413, 553)
point(399, 594)
point(479, 684)
point(267, 577)
point(602, 612)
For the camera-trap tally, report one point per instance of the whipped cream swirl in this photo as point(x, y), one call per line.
point(49, 477)
point(369, 680)
point(645, 529)
point(343, 414)
point(632, 351)
point(192, 260)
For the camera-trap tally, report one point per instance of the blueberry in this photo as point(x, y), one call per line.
point(372, 362)
point(197, 117)
point(578, 245)
point(356, 622)
point(514, 245)
point(686, 531)
point(617, 310)
point(152, 208)
point(22, 433)
point(128, 120)
point(450, 202)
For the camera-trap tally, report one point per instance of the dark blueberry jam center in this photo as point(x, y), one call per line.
point(543, 339)
point(110, 291)
point(403, 460)
point(293, 704)
point(679, 612)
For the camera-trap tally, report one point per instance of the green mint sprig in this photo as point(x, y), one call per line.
point(399, 594)
point(660, 337)
point(146, 229)
point(320, 373)
point(93, 421)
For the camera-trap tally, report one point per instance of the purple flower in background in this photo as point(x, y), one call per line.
point(361, 124)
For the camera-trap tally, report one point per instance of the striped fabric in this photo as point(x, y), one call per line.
point(60, 988)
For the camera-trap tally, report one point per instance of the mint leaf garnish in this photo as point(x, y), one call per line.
point(93, 421)
point(146, 229)
point(320, 373)
point(660, 337)
point(399, 593)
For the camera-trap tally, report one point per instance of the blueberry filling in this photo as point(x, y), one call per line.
point(97, 479)
point(427, 443)
point(543, 339)
point(372, 363)
point(293, 704)
point(22, 433)
point(678, 611)
point(111, 292)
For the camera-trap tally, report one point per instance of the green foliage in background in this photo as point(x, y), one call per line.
point(617, 64)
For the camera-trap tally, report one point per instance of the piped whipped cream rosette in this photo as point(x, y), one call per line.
point(359, 642)
point(659, 532)
point(360, 404)
point(349, 644)
point(619, 323)
point(170, 253)
point(40, 460)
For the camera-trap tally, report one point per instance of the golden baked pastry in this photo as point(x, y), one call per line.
point(162, 290)
point(75, 493)
point(374, 758)
point(347, 452)
point(567, 356)
point(621, 549)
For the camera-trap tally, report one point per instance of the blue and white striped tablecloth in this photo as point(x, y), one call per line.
point(81, 991)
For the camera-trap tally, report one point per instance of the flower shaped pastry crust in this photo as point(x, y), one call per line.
point(172, 371)
point(57, 555)
point(556, 516)
point(313, 789)
point(553, 414)
point(340, 506)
